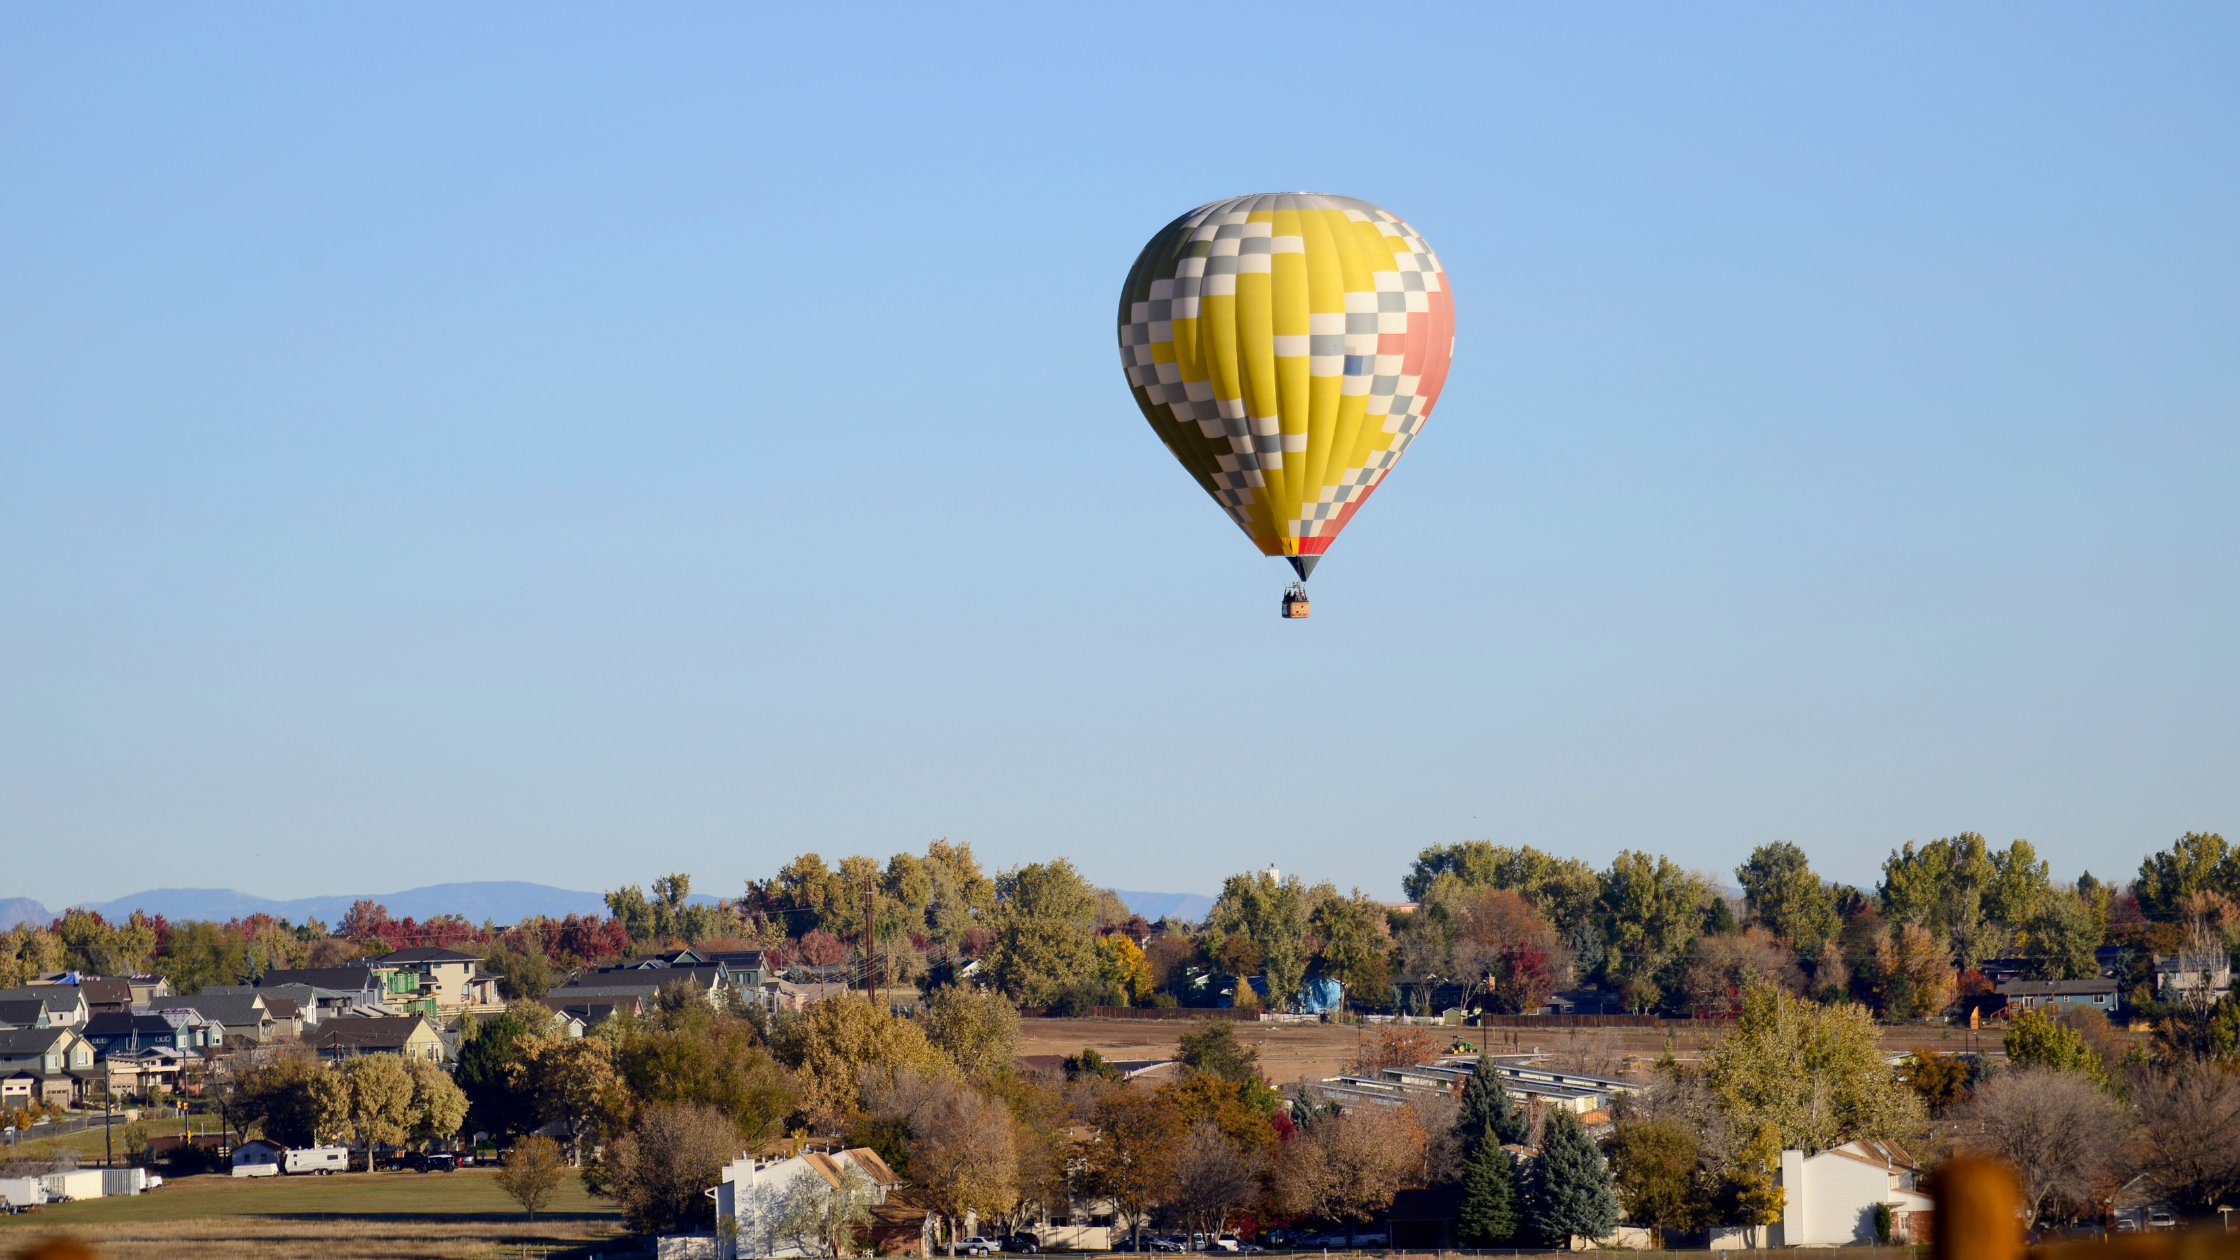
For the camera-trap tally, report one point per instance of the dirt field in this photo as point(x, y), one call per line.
point(1289, 1052)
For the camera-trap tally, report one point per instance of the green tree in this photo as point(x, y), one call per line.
point(1572, 1195)
point(294, 1101)
point(2037, 1039)
point(2061, 936)
point(1487, 1107)
point(1489, 1214)
point(977, 1028)
point(487, 1050)
point(1213, 1048)
point(1045, 946)
point(1273, 914)
point(1655, 1171)
point(1354, 950)
point(1650, 910)
point(1958, 888)
point(1787, 898)
point(1562, 890)
point(27, 953)
point(2200, 861)
point(630, 908)
point(1815, 1073)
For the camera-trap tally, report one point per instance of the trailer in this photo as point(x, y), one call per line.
point(315, 1160)
point(123, 1181)
point(85, 1183)
point(21, 1194)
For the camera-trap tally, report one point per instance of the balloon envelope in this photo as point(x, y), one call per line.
point(1287, 347)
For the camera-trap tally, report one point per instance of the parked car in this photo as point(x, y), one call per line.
point(2161, 1218)
point(434, 1161)
point(1022, 1243)
point(978, 1246)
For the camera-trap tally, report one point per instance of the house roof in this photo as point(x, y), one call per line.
point(378, 1032)
point(22, 1012)
point(348, 978)
point(58, 997)
point(283, 1008)
point(102, 991)
point(2056, 988)
point(2193, 962)
point(425, 954)
point(19, 1043)
point(873, 1166)
point(225, 1008)
point(125, 1023)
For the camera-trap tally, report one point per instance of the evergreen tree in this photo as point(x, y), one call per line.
point(1489, 1194)
point(1574, 1198)
point(1486, 1105)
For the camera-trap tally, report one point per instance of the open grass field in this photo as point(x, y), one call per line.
point(356, 1216)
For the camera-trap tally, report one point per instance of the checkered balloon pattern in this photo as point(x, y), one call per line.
point(1287, 347)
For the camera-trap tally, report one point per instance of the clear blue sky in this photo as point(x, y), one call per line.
point(574, 443)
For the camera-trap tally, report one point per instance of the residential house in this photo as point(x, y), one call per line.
point(451, 981)
point(294, 1007)
point(643, 981)
point(748, 967)
point(2179, 974)
point(43, 1006)
point(1583, 1002)
point(148, 990)
point(46, 1064)
point(585, 1013)
point(180, 1028)
point(412, 1036)
point(331, 992)
point(239, 1015)
point(755, 1188)
point(2058, 996)
point(105, 995)
point(1828, 1199)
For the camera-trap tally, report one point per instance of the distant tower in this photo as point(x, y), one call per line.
point(1273, 877)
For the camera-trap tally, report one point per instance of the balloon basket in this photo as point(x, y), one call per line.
point(1295, 602)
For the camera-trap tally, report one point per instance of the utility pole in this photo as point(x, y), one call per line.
point(870, 938)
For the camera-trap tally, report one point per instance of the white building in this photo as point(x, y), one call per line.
point(1828, 1199)
point(755, 1188)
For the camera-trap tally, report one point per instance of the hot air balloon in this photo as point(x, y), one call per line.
point(1287, 347)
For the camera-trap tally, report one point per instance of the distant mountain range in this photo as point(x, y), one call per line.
point(16, 910)
point(1158, 905)
point(501, 901)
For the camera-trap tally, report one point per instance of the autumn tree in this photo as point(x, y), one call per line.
point(690, 1053)
point(293, 1100)
point(438, 1106)
point(531, 1173)
point(1939, 1080)
point(1213, 1177)
point(2187, 1117)
point(1912, 971)
point(1813, 1072)
point(2037, 1039)
point(487, 1049)
point(2055, 1129)
point(977, 1028)
point(28, 952)
point(961, 1144)
point(376, 1102)
point(1720, 969)
point(657, 1169)
point(830, 1045)
point(1132, 1160)
point(1350, 1166)
point(572, 1081)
